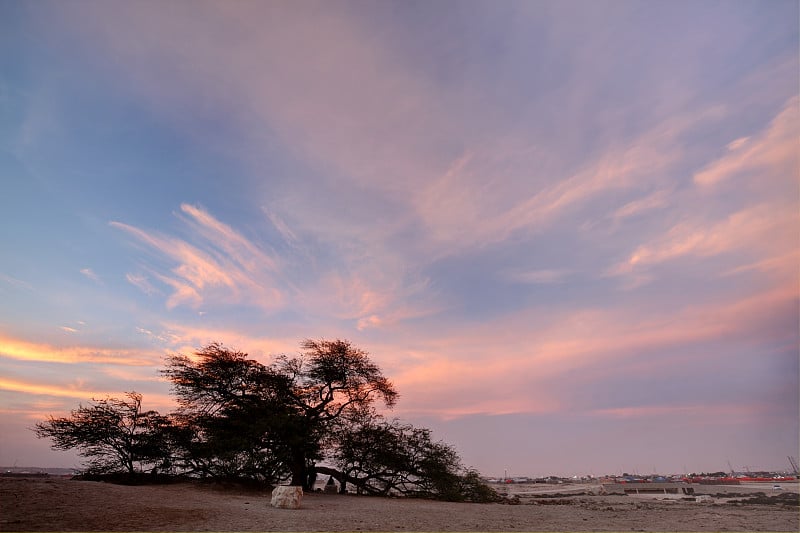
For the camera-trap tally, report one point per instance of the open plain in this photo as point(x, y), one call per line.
point(58, 504)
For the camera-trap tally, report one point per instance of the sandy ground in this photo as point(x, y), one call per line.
point(56, 504)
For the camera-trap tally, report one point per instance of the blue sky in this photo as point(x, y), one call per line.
point(568, 231)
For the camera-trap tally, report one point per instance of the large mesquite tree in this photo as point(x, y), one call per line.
point(231, 412)
point(283, 410)
point(238, 418)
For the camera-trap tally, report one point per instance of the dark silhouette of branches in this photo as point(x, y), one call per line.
point(113, 433)
point(240, 419)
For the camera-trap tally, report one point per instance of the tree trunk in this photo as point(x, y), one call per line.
point(299, 472)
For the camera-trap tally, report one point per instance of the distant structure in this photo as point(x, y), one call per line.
point(793, 462)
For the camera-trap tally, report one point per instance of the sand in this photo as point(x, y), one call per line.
point(57, 504)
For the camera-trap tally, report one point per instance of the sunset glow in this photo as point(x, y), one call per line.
point(554, 225)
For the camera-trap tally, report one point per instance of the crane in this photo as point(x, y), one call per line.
point(793, 462)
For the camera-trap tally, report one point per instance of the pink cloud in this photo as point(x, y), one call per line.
point(738, 143)
point(467, 207)
point(765, 229)
point(656, 200)
point(187, 339)
point(785, 266)
point(508, 366)
point(142, 283)
point(222, 267)
point(774, 150)
point(372, 102)
point(369, 295)
point(182, 293)
point(249, 256)
point(763, 233)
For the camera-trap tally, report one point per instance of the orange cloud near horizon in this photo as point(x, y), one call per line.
point(72, 391)
point(23, 350)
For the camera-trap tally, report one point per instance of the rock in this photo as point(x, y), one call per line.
point(287, 497)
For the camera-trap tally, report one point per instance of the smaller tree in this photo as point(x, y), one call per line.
point(114, 434)
point(381, 457)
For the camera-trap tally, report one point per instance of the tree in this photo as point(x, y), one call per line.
point(331, 381)
point(115, 434)
point(381, 457)
point(244, 420)
point(290, 405)
point(233, 415)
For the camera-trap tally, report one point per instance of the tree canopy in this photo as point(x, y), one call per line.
point(114, 434)
point(238, 418)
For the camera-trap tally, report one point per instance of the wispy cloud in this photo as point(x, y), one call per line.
point(540, 277)
point(466, 207)
point(23, 350)
point(375, 102)
point(49, 389)
point(784, 266)
point(142, 283)
point(14, 282)
point(186, 339)
point(774, 150)
point(76, 390)
point(583, 347)
point(222, 266)
point(730, 413)
point(89, 273)
point(370, 299)
point(752, 227)
point(764, 226)
point(656, 200)
point(36, 407)
point(738, 143)
point(286, 232)
point(232, 244)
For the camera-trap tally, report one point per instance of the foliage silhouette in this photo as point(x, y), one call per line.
point(239, 419)
point(238, 415)
point(381, 457)
point(113, 433)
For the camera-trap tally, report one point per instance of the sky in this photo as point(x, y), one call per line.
point(568, 231)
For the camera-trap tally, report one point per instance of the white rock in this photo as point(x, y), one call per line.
point(287, 497)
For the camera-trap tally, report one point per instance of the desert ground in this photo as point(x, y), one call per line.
point(58, 504)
